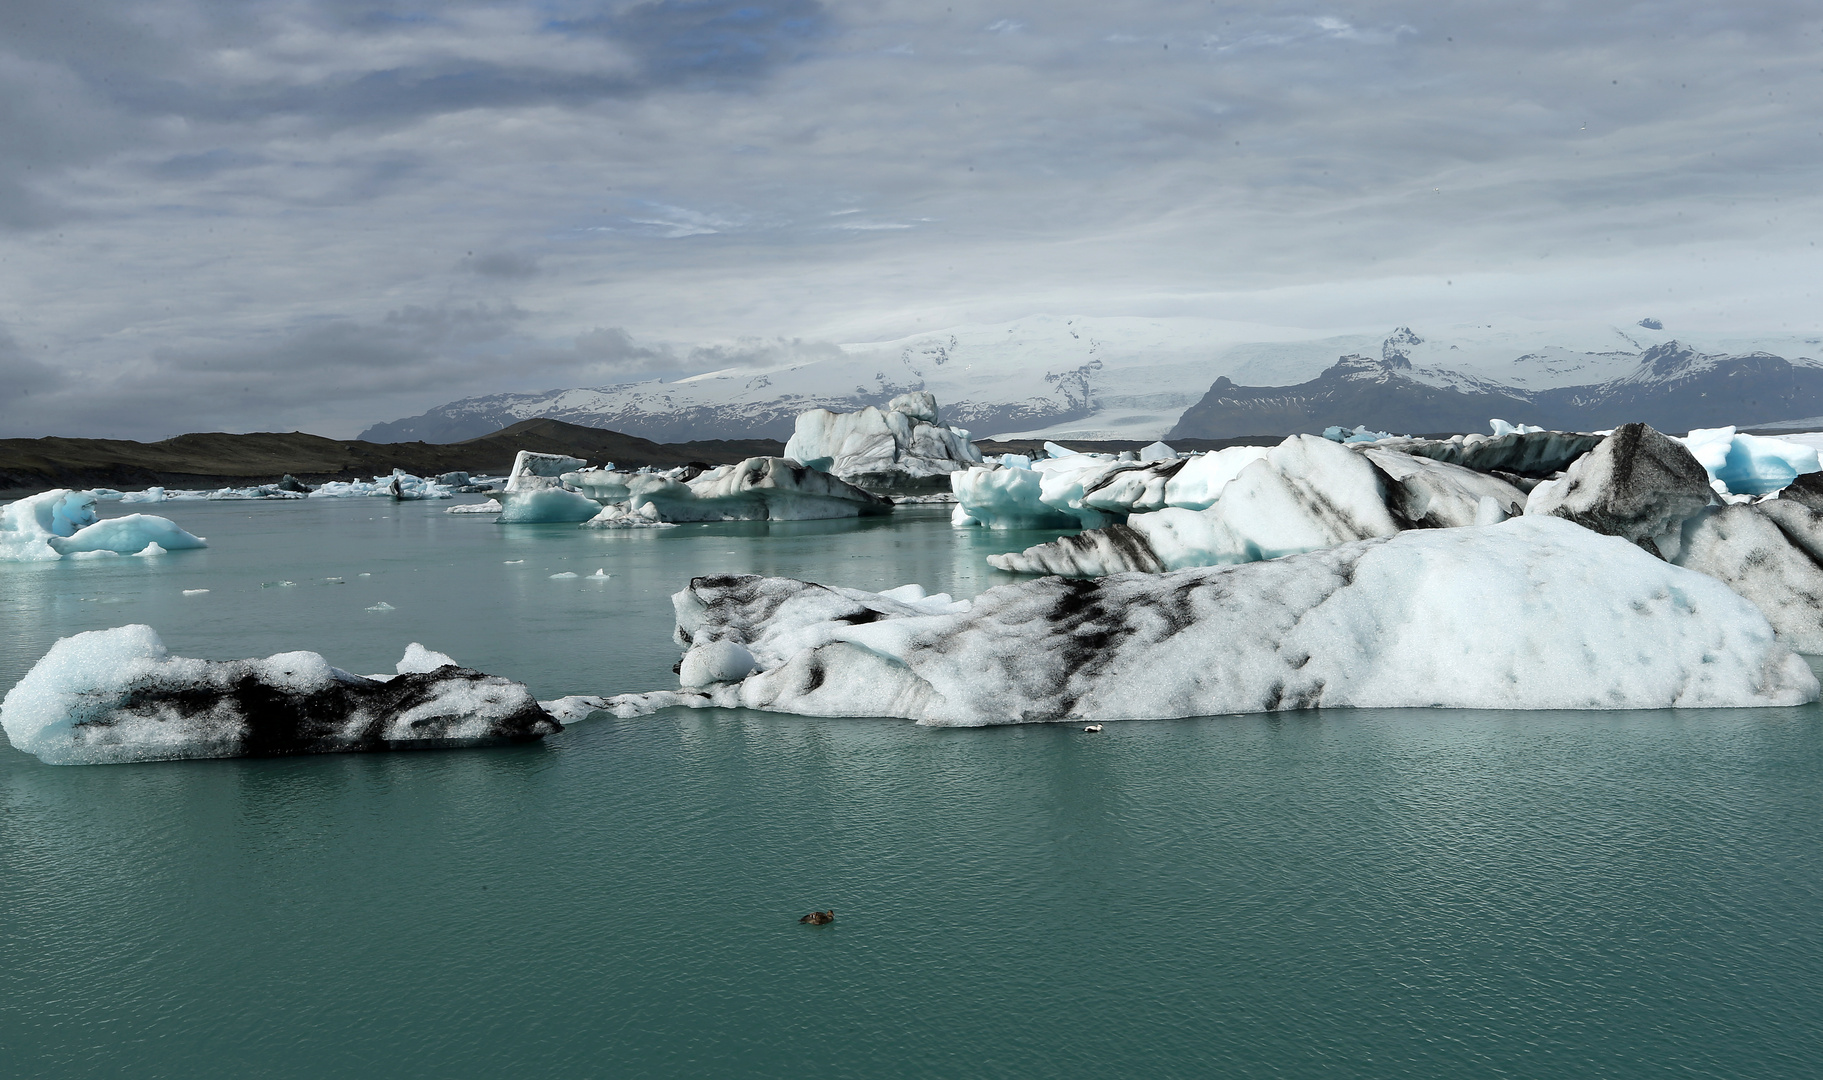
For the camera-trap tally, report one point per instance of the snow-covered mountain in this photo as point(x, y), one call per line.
point(1072, 377)
point(1671, 386)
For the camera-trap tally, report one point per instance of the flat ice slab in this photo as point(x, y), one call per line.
point(1532, 613)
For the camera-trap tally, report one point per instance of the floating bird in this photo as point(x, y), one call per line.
point(1093, 728)
point(818, 918)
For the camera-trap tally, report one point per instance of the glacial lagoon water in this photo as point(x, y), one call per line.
point(1429, 893)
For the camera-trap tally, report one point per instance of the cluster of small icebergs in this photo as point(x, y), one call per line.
point(836, 465)
point(1526, 569)
point(399, 484)
point(550, 488)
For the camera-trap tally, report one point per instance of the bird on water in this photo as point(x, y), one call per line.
point(818, 918)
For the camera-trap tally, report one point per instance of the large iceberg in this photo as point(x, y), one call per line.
point(1533, 613)
point(55, 524)
point(757, 489)
point(902, 449)
point(535, 491)
point(117, 695)
point(1305, 494)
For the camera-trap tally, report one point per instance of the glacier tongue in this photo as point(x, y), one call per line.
point(1533, 613)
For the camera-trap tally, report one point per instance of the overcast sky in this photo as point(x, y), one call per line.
point(320, 214)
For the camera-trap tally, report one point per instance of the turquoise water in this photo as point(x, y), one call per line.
point(1361, 894)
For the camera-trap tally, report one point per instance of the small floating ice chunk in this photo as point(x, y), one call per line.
point(382, 606)
point(564, 574)
point(491, 506)
point(419, 660)
point(195, 592)
point(600, 575)
point(513, 562)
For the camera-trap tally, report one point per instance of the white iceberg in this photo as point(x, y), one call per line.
point(1750, 464)
point(1090, 490)
point(55, 524)
point(902, 449)
point(1305, 494)
point(117, 695)
point(757, 489)
point(535, 493)
point(1533, 613)
point(602, 485)
point(490, 506)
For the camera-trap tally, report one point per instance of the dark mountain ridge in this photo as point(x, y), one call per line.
point(217, 459)
point(1673, 388)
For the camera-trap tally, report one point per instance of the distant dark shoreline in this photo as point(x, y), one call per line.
point(213, 460)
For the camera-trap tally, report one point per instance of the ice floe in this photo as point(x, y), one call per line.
point(901, 449)
point(490, 506)
point(1585, 622)
point(61, 523)
point(117, 695)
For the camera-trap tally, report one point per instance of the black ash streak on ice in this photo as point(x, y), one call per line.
point(352, 714)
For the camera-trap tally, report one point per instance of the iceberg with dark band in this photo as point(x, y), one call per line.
point(1532, 613)
point(757, 489)
point(63, 524)
point(110, 696)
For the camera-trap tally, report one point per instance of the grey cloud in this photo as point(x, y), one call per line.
point(20, 374)
point(338, 374)
point(500, 264)
point(366, 176)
